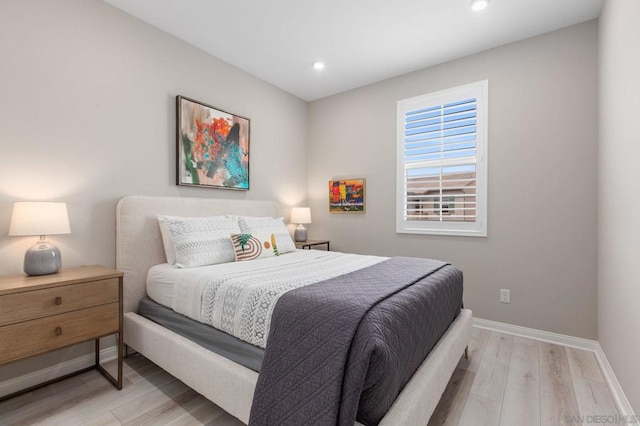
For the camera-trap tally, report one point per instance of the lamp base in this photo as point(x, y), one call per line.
point(42, 259)
point(300, 234)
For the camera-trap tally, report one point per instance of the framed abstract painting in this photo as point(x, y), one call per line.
point(212, 146)
point(346, 196)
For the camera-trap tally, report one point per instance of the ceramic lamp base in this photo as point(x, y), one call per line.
point(42, 259)
point(300, 235)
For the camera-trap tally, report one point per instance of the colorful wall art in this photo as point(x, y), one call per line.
point(346, 196)
point(212, 147)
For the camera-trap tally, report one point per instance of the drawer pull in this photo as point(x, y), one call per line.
point(58, 331)
point(58, 300)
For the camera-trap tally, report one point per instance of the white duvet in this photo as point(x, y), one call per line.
point(239, 297)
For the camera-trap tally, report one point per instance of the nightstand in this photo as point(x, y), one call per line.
point(43, 313)
point(310, 243)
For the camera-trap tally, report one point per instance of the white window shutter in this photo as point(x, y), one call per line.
point(441, 164)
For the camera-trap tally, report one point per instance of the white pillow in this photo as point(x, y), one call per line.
point(169, 251)
point(198, 241)
point(261, 225)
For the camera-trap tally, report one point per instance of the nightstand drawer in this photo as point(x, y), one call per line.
point(42, 335)
point(33, 304)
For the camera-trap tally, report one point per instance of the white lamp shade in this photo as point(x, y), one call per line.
point(39, 218)
point(301, 215)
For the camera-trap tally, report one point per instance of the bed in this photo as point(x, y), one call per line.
point(225, 382)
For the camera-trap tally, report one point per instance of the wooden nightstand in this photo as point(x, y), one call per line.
point(43, 313)
point(310, 243)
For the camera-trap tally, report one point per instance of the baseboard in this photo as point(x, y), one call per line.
point(617, 393)
point(40, 376)
point(619, 398)
point(532, 333)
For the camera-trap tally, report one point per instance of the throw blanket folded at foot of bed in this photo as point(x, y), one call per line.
point(345, 347)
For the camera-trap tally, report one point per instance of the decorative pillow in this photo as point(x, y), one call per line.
point(260, 225)
point(169, 251)
point(254, 246)
point(199, 241)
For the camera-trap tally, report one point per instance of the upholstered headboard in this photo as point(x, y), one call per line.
point(138, 240)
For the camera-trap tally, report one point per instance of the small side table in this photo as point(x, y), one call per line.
point(43, 313)
point(310, 243)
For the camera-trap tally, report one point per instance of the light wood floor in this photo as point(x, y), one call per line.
point(512, 380)
point(507, 381)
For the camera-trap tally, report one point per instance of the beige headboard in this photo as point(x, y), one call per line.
point(138, 241)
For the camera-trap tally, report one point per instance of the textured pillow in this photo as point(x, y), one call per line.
point(199, 241)
point(260, 225)
point(254, 246)
point(169, 251)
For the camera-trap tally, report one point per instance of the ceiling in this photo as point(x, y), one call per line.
point(360, 41)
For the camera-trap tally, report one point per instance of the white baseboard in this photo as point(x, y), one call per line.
point(532, 333)
point(619, 398)
point(40, 376)
point(617, 394)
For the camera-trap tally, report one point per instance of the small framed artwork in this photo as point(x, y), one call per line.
point(212, 146)
point(346, 196)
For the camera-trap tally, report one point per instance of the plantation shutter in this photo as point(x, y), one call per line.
point(439, 161)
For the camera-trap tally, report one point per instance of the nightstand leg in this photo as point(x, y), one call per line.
point(120, 356)
point(117, 382)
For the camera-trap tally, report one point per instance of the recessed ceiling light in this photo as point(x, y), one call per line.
point(317, 65)
point(477, 5)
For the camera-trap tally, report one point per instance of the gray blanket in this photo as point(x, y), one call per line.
point(344, 348)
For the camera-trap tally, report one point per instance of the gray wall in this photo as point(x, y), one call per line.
point(542, 178)
point(88, 115)
point(619, 232)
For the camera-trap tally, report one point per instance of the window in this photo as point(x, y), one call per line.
point(448, 205)
point(442, 162)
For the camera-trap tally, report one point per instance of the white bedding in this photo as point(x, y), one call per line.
point(239, 297)
point(160, 282)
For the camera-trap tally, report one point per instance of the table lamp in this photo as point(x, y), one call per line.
point(300, 215)
point(40, 218)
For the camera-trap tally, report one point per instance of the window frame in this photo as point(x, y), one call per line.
point(479, 90)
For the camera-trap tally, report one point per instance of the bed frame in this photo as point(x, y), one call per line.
point(226, 383)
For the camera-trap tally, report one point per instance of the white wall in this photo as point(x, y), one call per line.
point(88, 116)
point(542, 178)
point(87, 107)
point(619, 229)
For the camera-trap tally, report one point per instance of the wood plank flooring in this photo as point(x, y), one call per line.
point(517, 381)
point(506, 381)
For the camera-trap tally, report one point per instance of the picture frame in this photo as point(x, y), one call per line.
point(347, 195)
point(212, 146)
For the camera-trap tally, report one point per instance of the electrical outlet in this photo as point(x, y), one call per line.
point(505, 295)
